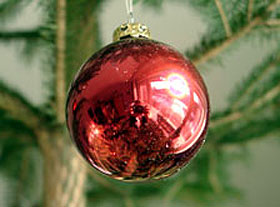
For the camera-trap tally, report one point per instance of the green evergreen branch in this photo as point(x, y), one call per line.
point(152, 3)
point(8, 7)
point(274, 4)
point(24, 165)
point(250, 10)
point(106, 184)
point(84, 38)
point(128, 201)
point(219, 45)
point(10, 128)
point(200, 167)
point(44, 33)
point(271, 30)
point(258, 73)
point(21, 109)
point(271, 94)
point(251, 130)
point(212, 48)
point(31, 34)
point(212, 175)
point(224, 18)
point(273, 22)
point(171, 193)
point(257, 104)
point(60, 87)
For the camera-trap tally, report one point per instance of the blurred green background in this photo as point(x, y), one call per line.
point(256, 174)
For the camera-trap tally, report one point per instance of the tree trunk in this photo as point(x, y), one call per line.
point(77, 38)
point(83, 37)
point(64, 173)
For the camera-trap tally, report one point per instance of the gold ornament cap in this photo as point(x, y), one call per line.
point(131, 30)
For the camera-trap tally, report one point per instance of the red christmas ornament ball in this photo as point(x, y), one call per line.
point(138, 110)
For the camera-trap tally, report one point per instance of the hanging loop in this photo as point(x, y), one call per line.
point(131, 29)
point(129, 8)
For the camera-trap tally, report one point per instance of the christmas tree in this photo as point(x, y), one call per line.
point(39, 165)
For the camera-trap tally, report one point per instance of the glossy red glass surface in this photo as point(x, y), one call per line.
point(138, 110)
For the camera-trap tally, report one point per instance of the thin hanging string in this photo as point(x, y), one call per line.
point(129, 8)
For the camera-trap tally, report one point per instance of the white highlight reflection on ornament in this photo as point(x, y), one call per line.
point(178, 143)
point(195, 98)
point(93, 132)
point(178, 85)
point(159, 85)
point(179, 108)
point(175, 83)
point(96, 132)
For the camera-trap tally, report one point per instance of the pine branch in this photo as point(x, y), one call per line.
point(254, 130)
point(250, 9)
point(60, 59)
point(273, 22)
point(173, 190)
point(22, 177)
point(258, 73)
point(257, 104)
point(11, 35)
point(212, 175)
point(270, 95)
point(222, 45)
point(106, 184)
point(199, 167)
point(84, 38)
point(10, 128)
point(20, 109)
point(9, 7)
point(41, 32)
point(224, 18)
point(199, 188)
point(128, 201)
point(69, 178)
point(212, 48)
point(151, 3)
point(274, 5)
